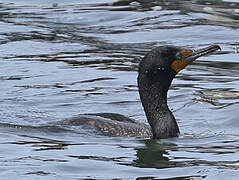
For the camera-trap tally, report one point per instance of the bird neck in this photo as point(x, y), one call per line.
point(153, 96)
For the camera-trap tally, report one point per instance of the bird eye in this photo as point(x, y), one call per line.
point(179, 56)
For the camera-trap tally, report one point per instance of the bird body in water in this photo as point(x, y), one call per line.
point(156, 71)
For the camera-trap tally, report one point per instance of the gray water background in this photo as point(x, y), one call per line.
point(62, 58)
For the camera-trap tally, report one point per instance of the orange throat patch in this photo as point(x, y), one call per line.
point(178, 65)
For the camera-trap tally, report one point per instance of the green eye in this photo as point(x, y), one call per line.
point(179, 56)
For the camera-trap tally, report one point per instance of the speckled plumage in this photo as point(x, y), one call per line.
point(154, 79)
point(156, 72)
point(110, 124)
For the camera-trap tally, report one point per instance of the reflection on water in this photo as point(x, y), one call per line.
point(60, 59)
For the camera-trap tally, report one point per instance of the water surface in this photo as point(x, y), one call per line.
point(60, 59)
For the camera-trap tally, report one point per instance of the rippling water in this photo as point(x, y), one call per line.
point(62, 58)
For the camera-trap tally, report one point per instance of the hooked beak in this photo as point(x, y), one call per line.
point(201, 52)
point(185, 57)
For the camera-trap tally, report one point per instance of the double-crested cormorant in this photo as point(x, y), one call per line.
point(156, 72)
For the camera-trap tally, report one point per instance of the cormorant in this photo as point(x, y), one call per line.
point(155, 74)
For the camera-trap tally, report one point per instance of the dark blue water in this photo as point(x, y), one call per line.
point(62, 58)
